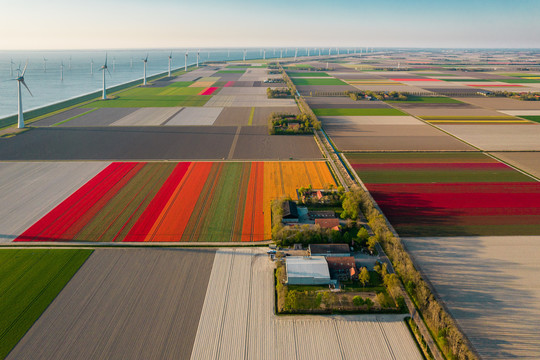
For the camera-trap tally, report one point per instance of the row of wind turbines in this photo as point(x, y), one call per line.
point(104, 68)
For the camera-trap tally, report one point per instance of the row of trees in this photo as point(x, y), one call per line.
point(448, 335)
point(380, 95)
point(525, 96)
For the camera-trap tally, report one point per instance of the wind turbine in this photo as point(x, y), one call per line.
point(70, 63)
point(11, 63)
point(185, 64)
point(281, 54)
point(329, 51)
point(170, 60)
point(20, 80)
point(228, 53)
point(198, 57)
point(295, 53)
point(62, 71)
point(245, 54)
point(264, 54)
point(319, 51)
point(308, 52)
point(45, 64)
point(145, 61)
point(91, 66)
point(103, 68)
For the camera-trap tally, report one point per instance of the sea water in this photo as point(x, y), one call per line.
point(43, 75)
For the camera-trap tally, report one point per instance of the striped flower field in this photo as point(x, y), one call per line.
point(170, 202)
point(450, 194)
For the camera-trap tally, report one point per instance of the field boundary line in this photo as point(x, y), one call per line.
point(511, 166)
point(234, 142)
point(74, 117)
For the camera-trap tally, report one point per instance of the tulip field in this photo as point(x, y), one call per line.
point(450, 194)
point(184, 201)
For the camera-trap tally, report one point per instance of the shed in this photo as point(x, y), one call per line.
point(290, 211)
point(329, 250)
point(307, 270)
point(321, 214)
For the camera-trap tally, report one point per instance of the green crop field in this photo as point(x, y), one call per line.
point(532, 118)
point(520, 81)
point(180, 84)
point(427, 100)
point(307, 74)
point(154, 97)
point(231, 71)
point(309, 81)
point(358, 112)
point(29, 282)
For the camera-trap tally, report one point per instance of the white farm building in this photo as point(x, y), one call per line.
point(308, 270)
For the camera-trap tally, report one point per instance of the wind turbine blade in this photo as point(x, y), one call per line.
point(105, 59)
point(146, 58)
point(25, 66)
point(22, 81)
point(109, 72)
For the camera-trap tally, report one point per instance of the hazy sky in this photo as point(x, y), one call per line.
point(66, 24)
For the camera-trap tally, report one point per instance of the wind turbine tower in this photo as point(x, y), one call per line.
point(20, 80)
point(264, 54)
point(185, 64)
point(62, 71)
point(281, 54)
point(295, 53)
point(91, 66)
point(245, 54)
point(170, 60)
point(45, 64)
point(145, 61)
point(198, 58)
point(113, 64)
point(104, 68)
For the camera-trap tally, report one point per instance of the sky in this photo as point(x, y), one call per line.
point(118, 24)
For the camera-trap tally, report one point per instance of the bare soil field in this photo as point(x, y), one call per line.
point(253, 74)
point(490, 286)
point(233, 116)
point(526, 161)
point(242, 91)
point(119, 143)
point(340, 101)
point(28, 190)
point(433, 106)
point(261, 114)
point(221, 100)
point(64, 115)
point(197, 116)
point(531, 112)
point(307, 89)
point(147, 117)
point(392, 138)
point(237, 321)
point(196, 74)
point(498, 137)
point(99, 117)
point(446, 110)
point(369, 120)
point(255, 143)
point(124, 303)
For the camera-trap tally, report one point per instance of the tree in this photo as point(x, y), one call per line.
point(358, 300)
point(369, 303)
point(372, 241)
point(329, 299)
point(351, 203)
point(361, 236)
point(291, 301)
point(363, 277)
